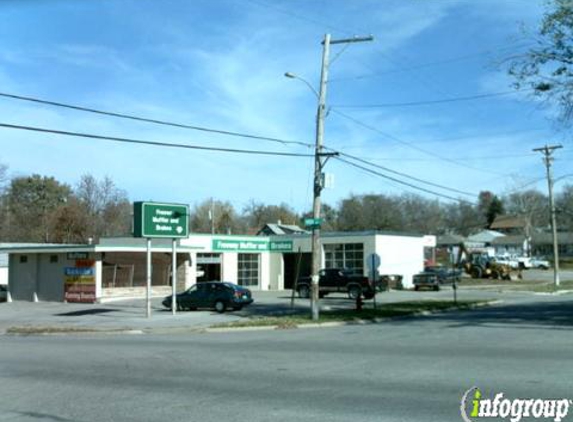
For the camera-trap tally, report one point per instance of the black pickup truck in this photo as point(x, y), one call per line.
point(338, 280)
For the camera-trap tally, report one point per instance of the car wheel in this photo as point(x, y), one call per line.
point(354, 292)
point(436, 288)
point(416, 288)
point(220, 306)
point(304, 292)
point(476, 272)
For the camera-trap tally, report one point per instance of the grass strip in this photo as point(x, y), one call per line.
point(52, 330)
point(383, 311)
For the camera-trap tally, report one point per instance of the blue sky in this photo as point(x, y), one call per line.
point(220, 64)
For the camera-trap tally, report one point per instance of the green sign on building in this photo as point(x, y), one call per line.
point(158, 220)
point(255, 245)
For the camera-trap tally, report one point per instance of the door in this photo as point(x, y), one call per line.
point(203, 295)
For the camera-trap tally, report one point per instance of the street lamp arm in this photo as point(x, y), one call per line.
point(293, 76)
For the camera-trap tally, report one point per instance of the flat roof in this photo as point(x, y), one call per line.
point(125, 244)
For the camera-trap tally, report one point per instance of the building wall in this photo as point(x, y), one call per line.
point(276, 271)
point(230, 267)
point(22, 277)
point(264, 271)
point(51, 276)
point(400, 255)
point(3, 268)
point(3, 275)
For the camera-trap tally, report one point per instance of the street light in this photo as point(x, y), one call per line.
point(307, 83)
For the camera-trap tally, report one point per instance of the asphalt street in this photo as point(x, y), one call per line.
point(412, 369)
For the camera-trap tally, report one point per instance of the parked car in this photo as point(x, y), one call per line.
point(445, 275)
point(524, 262)
point(333, 280)
point(506, 260)
point(3, 293)
point(434, 277)
point(538, 262)
point(216, 295)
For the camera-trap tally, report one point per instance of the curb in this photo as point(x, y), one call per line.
point(79, 330)
point(332, 324)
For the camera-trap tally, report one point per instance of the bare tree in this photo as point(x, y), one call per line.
point(106, 207)
point(217, 216)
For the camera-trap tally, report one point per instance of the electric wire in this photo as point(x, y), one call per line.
point(432, 102)
point(152, 143)
point(363, 161)
point(154, 121)
point(411, 145)
point(184, 126)
point(431, 64)
point(401, 182)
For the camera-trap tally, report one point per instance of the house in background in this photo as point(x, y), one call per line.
point(279, 229)
point(482, 239)
point(542, 244)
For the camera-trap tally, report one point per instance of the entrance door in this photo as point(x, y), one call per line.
point(290, 263)
point(208, 267)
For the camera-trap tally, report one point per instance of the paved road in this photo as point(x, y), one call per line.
point(413, 369)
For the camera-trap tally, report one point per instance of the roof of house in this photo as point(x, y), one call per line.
point(281, 229)
point(508, 222)
point(485, 236)
point(449, 239)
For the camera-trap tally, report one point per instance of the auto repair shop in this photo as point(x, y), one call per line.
point(116, 267)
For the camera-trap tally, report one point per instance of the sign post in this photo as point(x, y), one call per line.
point(174, 278)
point(161, 220)
point(374, 262)
point(148, 280)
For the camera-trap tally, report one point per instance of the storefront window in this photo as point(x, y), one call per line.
point(248, 269)
point(345, 255)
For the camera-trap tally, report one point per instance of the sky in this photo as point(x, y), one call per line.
point(220, 64)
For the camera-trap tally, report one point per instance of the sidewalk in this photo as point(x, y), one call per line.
point(130, 315)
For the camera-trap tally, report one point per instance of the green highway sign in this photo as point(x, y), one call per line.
point(154, 219)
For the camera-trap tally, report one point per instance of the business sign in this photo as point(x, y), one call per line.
point(280, 246)
point(77, 255)
point(236, 245)
point(153, 219)
point(79, 284)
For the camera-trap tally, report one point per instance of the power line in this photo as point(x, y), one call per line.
point(430, 64)
point(368, 170)
point(154, 121)
point(178, 125)
point(152, 143)
point(411, 145)
point(473, 158)
point(430, 102)
point(361, 160)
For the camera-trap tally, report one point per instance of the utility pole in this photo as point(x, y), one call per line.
point(319, 163)
point(548, 159)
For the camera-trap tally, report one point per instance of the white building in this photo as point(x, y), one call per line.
point(116, 267)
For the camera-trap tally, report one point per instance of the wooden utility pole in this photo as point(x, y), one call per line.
point(548, 159)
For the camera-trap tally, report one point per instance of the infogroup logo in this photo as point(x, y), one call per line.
point(475, 407)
